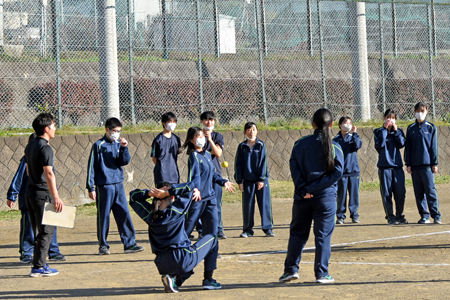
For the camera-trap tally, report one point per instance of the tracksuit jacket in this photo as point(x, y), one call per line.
point(388, 143)
point(350, 144)
point(421, 148)
point(251, 165)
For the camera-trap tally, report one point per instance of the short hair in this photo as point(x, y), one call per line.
point(344, 118)
point(42, 121)
point(208, 115)
point(249, 125)
point(420, 105)
point(168, 116)
point(389, 112)
point(32, 137)
point(112, 123)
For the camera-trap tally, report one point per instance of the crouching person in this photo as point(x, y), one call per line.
point(175, 258)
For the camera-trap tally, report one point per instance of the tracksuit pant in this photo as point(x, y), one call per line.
point(43, 234)
point(350, 184)
point(182, 261)
point(219, 193)
point(264, 200)
point(111, 197)
point(322, 211)
point(26, 245)
point(425, 193)
point(206, 211)
point(392, 181)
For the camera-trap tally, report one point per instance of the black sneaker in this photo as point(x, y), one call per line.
point(424, 221)
point(325, 279)
point(133, 249)
point(286, 277)
point(246, 235)
point(437, 220)
point(103, 250)
point(221, 236)
point(339, 221)
point(402, 221)
point(58, 257)
point(26, 259)
point(169, 284)
point(211, 284)
point(269, 233)
point(355, 220)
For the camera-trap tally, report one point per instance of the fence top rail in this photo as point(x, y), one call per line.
point(435, 2)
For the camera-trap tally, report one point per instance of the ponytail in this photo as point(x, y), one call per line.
point(323, 119)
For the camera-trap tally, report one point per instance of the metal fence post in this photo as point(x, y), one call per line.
point(164, 16)
point(57, 46)
point(430, 59)
point(199, 60)
point(216, 29)
point(322, 62)
point(394, 29)
point(263, 28)
point(96, 24)
point(43, 36)
point(433, 24)
point(310, 37)
point(261, 67)
point(130, 57)
point(383, 78)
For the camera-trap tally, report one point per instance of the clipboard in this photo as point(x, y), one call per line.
point(66, 218)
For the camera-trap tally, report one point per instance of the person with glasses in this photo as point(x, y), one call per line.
point(105, 185)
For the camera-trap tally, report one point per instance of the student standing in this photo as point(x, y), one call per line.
point(215, 144)
point(41, 189)
point(175, 258)
point(165, 150)
point(202, 175)
point(350, 143)
point(389, 139)
point(316, 166)
point(17, 190)
point(105, 185)
point(421, 160)
point(252, 175)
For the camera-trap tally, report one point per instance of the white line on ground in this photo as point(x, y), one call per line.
point(352, 243)
point(349, 263)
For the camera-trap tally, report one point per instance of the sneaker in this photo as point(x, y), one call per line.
point(392, 222)
point(169, 284)
point(269, 233)
point(355, 220)
point(45, 271)
point(103, 250)
point(424, 221)
point(325, 279)
point(26, 259)
point(219, 256)
point(402, 221)
point(286, 277)
point(437, 220)
point(133, 249)
point(339, 221)
point(245, 235)
point(191, 237)
point(58, 257)
point(221, 236)
point(211, 284)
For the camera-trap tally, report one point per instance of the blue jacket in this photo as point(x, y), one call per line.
point(388, 145)
point(308, 170)
point(251, 164)
point(105, 163)
point(350, 144)
point(167, 230)
point(201, 175)
point(421, 146)
point(19, 185)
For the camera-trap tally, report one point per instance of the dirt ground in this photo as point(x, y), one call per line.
point(369, 260)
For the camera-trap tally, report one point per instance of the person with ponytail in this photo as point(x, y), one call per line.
point(252, 175)
point(316, 164)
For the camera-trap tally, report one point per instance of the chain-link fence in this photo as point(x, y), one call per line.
point(262, 60)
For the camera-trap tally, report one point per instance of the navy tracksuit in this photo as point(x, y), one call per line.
point(201, 175)
point(309, 176)
point(174, 253)
point(105, 177)
point(350, 144)
point(421, 153)
point(251, 168)
point(390, 171)
point(16, 191)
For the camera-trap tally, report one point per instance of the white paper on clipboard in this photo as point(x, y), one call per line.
point(66, 218)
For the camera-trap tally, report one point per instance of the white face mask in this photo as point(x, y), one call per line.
point(200, 142)
point(251, 139)
point(208, 128)
point(170, 126)
point(115, 135)
point(421, 116)
point(346, 127)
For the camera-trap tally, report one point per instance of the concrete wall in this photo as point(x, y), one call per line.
point(72, 152)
